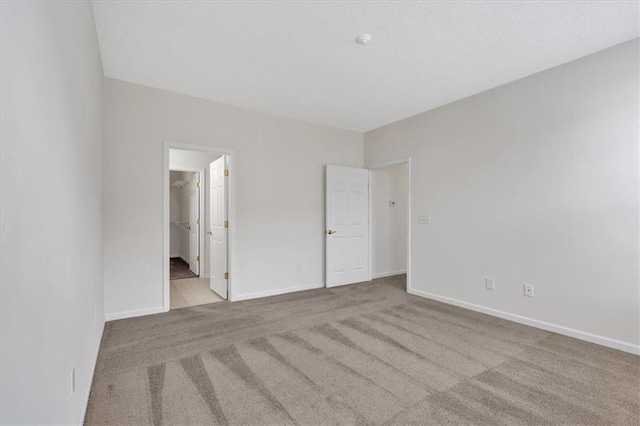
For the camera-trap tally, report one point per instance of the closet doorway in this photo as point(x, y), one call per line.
point(186, 239)
point(197, 206)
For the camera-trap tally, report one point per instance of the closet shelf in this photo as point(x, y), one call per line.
point(180, 184)
point(181, 225)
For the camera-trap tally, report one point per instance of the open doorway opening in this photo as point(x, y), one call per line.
point(196, 232)
point(390, 220)
point(185, 203)
point(368, 226)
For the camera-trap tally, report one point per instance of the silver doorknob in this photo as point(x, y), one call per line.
point(331, 232)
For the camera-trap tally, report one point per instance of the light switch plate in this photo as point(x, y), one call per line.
point(424, 219)
point(490, 283)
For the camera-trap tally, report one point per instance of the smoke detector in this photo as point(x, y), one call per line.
point(363, 39)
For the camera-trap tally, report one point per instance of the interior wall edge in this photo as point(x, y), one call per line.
point(93, 371)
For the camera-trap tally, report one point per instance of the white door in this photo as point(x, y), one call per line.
point(347, 220)
point(218, 226)
point(194, 223)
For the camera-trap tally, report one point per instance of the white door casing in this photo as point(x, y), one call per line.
point(167, 146)
point(194, 224)
point(347, 225)
point(218, 226)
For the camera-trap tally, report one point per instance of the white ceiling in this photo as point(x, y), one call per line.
point(300, 60)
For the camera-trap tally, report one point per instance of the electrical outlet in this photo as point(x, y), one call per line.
point(490, 283)
point(73, 381)
point(528, 290)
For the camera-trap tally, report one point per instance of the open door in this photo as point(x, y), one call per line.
point(194, 223)
point(347, 220)
point(218, 226)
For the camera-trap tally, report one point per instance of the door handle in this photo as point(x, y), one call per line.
point(188, 227)
point(209, 232)
point(331, 232)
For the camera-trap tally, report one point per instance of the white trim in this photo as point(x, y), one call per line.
point(390, 163)
point(184, 259)
point(201, 222)
point(388, 274)
point(231, 214)
point(370, 218)
point(278, 291)
point(135, 313)
point(566, 331)
point(93, 370)
point(407, 161)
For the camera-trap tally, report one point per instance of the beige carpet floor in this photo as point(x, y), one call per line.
point(362, 354)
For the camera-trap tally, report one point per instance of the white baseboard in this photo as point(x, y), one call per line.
point(135, 313)
point(184, 259)
point(172, 255)
point(276, 292)
point(93, 370)
point(388, 274)
point(566, 331)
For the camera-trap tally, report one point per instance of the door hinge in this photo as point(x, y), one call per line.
point(226, 172)
point(226, 275)
point(197, 184)
point(197, 258)
point(226, 223)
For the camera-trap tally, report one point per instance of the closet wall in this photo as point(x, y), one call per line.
point(179, 214)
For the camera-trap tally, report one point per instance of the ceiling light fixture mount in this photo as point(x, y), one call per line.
point(363, 39)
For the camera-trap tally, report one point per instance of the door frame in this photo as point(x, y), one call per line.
point(201, 199)
point(231, 214)
point(391, 163)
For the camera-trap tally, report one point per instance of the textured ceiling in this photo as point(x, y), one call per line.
point(299, 59)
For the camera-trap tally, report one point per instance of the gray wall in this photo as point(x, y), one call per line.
point(51, 272)
point(279, 195)
point(532, 182)
point(389, 224)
